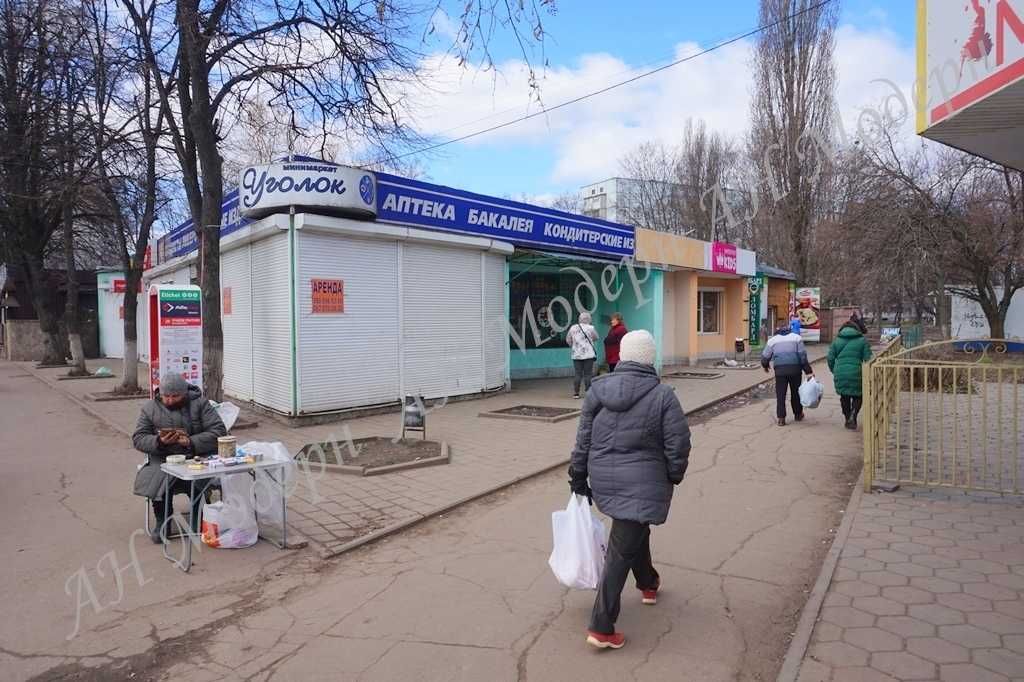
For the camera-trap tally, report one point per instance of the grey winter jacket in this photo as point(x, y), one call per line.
point(634, 443)
point(787, 353)
point(195, 415)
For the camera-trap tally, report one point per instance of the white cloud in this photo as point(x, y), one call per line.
point(589, 137)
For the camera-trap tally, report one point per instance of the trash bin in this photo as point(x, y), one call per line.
point(414, 416)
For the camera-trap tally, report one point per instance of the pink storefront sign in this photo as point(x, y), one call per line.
point(723, 257)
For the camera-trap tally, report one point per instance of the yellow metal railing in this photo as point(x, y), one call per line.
point(879, 405)
point(945, 414)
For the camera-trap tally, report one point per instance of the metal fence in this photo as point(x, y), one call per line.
point(946, 414)
point(912, 335)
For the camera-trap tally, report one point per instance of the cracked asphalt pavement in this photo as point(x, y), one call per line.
point(464, 596)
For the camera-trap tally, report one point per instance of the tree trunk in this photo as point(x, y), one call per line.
point(213, 332)
point(130, 376)
point(71, 304)
point(997, 327)
point(45, 307)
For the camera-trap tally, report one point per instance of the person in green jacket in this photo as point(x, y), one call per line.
point(846, 358)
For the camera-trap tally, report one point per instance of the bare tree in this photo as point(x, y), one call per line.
point(792, 111)
point(683, 189)
point(570, 202)
point(332, 63)
point(37, 43)
point(920, 220)
point(650, 195)
point(127, 170)
point(71, 126)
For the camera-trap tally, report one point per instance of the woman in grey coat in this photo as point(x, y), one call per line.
point(177, 405)
point(633, 443)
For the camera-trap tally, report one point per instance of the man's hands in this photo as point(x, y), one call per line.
point(173, 437)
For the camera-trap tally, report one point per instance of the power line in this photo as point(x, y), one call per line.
point(609, 88)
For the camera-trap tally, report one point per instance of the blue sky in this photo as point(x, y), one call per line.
point(593, 44)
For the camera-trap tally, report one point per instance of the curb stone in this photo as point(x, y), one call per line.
point(809, 615)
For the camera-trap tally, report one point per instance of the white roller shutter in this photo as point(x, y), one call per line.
point(348, 359)
point(235, 274)
point(442, 325)
point(495, 330)
point(271, 324)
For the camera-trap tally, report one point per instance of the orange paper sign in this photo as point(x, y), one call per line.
point(226, 304)
point(328, 296)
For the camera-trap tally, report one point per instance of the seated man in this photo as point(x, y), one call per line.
point(178, 420)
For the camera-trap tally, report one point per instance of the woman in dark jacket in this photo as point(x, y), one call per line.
point(846, 358)
point(633, 443)
point(612, 341)
point(181, 406)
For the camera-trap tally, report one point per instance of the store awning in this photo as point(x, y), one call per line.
point(537, 257)
point(970, 77)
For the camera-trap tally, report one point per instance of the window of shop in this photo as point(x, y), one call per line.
point(538, 290)
point(709, 312)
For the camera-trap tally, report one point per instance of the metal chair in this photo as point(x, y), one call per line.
point(149, 514)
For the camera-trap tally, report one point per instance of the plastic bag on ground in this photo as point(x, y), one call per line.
point(231, 523)
point(267, 487)
point(580, 542)
point(810, 393)
point(228, 413)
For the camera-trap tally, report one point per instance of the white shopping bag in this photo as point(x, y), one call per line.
point(810, 393)
point(580, 541)
point(231, 523)
point(268, 488)
point(228, 413)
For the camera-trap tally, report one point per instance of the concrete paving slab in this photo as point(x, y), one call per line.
point(964, 607)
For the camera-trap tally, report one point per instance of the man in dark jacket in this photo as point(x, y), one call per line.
point(178, 420)
point(633, 442)
point(787, 353)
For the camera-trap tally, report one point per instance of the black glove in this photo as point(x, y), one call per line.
point(578, 485)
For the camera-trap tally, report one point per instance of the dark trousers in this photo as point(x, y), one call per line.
point(791, 382)
point(629, 549)
point(611, 366)
point(584, 373)
point(178, 487)
point(851, 405)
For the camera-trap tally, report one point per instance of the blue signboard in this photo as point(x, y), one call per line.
point(182, 240)
point(411, 202)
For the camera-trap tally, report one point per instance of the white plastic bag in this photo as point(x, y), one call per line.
point(228, 413)
point(580, 544)
point(231, 523)
point(810, 393)
point(268, 489)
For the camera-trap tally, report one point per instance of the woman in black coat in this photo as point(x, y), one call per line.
point(633, 443)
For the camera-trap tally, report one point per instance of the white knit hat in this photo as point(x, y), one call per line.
point(637, 346)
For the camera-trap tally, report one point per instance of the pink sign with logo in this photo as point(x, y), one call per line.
point(723, 257)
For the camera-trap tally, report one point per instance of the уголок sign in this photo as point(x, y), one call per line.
point(320, 187)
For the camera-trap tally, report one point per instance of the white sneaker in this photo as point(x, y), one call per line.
point(576, 396)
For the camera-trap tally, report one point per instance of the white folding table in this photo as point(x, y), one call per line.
point(208, 474)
